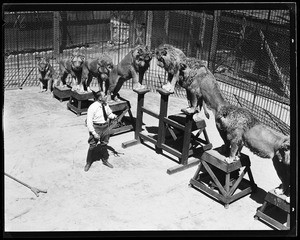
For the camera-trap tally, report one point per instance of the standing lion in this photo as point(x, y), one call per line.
point(169, 58)
point(72, 66)
point(237, 126)
point(99, 68)
point(133, 65)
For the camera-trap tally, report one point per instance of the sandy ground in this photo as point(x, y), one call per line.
point(45, 146)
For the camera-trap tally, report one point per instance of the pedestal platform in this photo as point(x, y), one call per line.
point(220, 180)
point(62, 93)
point(274, 203)
point(79, 102)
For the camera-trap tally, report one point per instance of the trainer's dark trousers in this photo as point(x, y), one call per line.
point(93, 143)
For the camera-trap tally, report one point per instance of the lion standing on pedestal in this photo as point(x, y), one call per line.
point(72, 66)
point(169, 58)
point(133, 65)
point(99, 68)
point(237, 126)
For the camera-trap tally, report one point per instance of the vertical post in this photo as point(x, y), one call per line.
point(262, 51)
point(186, 139)
point(55, 34)
point(149, 29)
point(214, 42)
point(166, 26)
point(139, 112)
point(189, 50)
point(164, 99)
point(238, 57)
point(64, 21)
point(201, 35)
point(131, 30)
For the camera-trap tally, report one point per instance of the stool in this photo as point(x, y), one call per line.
point(274, 202)
point(79, 102)
point(61, 93)
point(223, 177)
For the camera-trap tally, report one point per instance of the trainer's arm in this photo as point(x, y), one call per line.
point(109, 112)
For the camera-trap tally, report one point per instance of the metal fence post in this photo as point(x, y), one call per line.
point(214, 42)
point(190, 37)
point(149, 29)
point(55, 34)
point(201, 35)
point(166, 26)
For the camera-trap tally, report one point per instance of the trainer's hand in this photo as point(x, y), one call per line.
point(97, 136)
point(112, 116)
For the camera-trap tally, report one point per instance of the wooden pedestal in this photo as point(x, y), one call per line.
point(61, 93)
point(274, 202)
point(79, 102)
point(183, 143)
point(220, 180)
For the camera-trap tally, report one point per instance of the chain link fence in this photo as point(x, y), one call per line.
point(247, 50)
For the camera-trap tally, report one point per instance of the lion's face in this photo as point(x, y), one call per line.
point(169, 58)
point(43, 64)
point(105, 65)
point(163, 58)
point(283, 153)
point(142, 56)
point(77, 61)
point(184, 72)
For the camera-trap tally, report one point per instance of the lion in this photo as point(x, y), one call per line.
point(201, 86)
point(238, 128)
point(169, 58)
point(46, 74)
point(99, 68)
point(133, 65)
point(72, 66)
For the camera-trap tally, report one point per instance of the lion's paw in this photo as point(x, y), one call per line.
point(288, 199)
point(168, 87)
point(197, 117)
point(89, 89)
point(278, 191)
point(189, 110)
point(138, 86)
point(229, 160)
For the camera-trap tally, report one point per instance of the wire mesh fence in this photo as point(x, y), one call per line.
point(247, 50)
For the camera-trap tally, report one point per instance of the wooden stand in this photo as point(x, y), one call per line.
point(79, 102)
point(118, 108)
point(274, 202)
point(223, 186)
point(183, 123)
point(62, 93)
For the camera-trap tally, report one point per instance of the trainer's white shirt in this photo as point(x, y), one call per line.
point(95, 115)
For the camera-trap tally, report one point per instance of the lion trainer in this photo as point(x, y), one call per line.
point(133, 65)
point(97, 122)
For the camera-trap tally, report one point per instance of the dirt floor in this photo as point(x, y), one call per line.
point(46, 145)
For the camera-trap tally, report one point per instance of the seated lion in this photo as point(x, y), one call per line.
point(46, 74)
